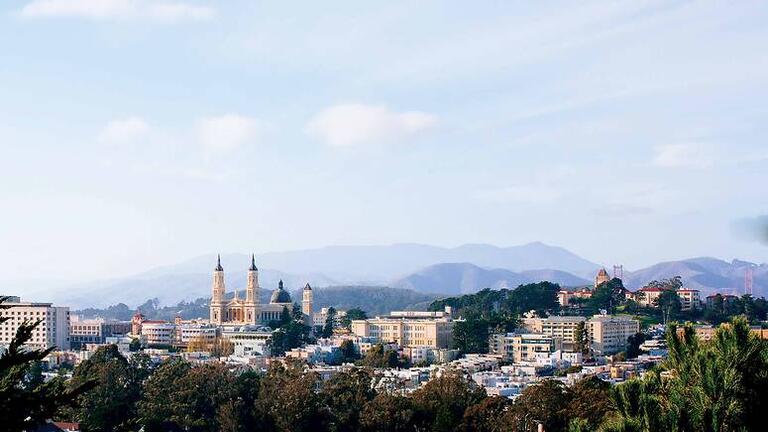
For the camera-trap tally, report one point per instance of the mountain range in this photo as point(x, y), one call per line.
point(420, 268)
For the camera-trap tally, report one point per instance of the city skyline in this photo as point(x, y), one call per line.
point(142, 133)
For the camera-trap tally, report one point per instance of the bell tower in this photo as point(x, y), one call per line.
point(217, 298)
point(252, 293)
point(306, 301)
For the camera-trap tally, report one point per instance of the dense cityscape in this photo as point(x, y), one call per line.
point(538, 356)
point(393, 216)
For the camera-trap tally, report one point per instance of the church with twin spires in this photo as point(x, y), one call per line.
point(249, 310)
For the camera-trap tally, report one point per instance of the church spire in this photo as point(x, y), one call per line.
point(253, 263)
point(218, 263)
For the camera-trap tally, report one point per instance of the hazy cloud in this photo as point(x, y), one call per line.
point(684, 155)
point(519, 194)
point(228, 132)
point(118, 9)
point(355, 124)
point(752, 229)
point(123, 130)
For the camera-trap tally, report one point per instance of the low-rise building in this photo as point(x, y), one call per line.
point(157, 332)
point(248, 340)
point(408, 329)
point(690, 299)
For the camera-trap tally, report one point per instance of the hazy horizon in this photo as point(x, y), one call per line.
point(140, 133)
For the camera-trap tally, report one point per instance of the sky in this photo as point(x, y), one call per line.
point(138, 133)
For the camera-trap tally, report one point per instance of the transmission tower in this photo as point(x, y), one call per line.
point(618, 272)
point(748, 279)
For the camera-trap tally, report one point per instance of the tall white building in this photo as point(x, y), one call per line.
point(609, 333)
point(53, 330)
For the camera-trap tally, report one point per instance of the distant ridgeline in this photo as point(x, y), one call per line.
point(374, 300)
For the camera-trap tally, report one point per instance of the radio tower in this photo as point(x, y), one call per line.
point(748, 276)
point(618, 272)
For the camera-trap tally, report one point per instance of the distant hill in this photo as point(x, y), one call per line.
point(372, 299)
point(704, 273)
point(383, 263)
point(466, 278)
point(171, 288)
point(375, 300)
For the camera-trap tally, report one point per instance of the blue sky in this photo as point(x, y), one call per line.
point(137, 133)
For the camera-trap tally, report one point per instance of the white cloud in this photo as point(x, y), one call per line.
point(354, 124)
point(228, 132)
point(684, 155)
point(168, 11)
point(124, 130)
point(519, 194)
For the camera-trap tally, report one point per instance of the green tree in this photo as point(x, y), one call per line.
point(287, 399)
point(348, 351)
point(380, 357)
point(26, 401)
point(633, 344)
point(330, 323)
point(353, 314)
point(391, 413)
point(590, 401)
point(486, 416)
point(471, 334)
point(135, 345)
point(111, 404)
point(445, 399)
point(547, 403)
point(344, 394)
point(669, 304)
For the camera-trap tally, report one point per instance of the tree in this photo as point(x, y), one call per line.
point(717, 385)
point(26, 401)
point(135, 345)
point(344, 394)
point(353, 314)
point(471, 334)
point(348, 351)
point(633, 344)
point(380, 357)
point(669, 304)
point(157, 409)
point(583, 344)
point(330, 323)
point(486, 415)
point(288, 401)
point(111, 404)
point(546, 403)
point(390, 413)
point(590, 401)
point(607, 296)
point(445, 399)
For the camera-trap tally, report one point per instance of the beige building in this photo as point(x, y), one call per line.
point(690, 299)
point(609, 333)
point(561, 327)
point(53, 330)
point(523, 347)
point(249, 310)
point(408, 329)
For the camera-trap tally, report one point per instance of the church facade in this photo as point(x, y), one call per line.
point(249, 310)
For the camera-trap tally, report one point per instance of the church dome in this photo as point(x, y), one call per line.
point(280, 295)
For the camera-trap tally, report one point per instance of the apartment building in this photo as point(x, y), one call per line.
point(608, 334)
point(53, 330)
point(408, 329)
point(523, 347)
point(690, 299)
